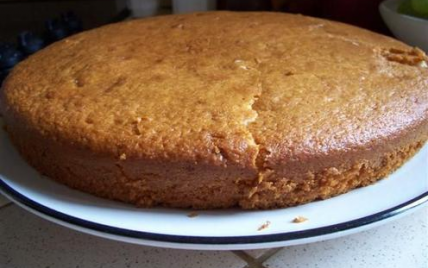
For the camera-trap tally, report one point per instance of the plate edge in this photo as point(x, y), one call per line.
point(213, 240)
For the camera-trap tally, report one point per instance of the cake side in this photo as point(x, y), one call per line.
point(148, 183)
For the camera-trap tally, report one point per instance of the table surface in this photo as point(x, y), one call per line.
point(29, 241)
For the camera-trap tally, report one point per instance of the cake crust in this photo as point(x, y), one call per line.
point(219, 109)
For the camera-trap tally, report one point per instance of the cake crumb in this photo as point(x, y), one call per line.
point(192, 214)
point(122, 156)
point(241, 64)
point(299, 219)
point(179, 26)
point(264, 226)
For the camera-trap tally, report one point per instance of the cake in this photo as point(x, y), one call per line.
point(219, 110)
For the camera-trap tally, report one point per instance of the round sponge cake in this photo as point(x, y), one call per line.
point(218, 110)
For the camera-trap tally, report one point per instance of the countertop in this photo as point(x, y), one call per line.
point(27, 241)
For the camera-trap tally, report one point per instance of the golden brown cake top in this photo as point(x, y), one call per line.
point(222, 88)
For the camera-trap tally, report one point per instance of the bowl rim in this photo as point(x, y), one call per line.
point(386, 6)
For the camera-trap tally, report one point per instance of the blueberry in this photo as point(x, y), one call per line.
point(9, 56)
point(72, 22)
point(56, 30)
point(3, 74)
point(30, 43)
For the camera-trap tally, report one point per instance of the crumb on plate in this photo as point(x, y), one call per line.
point(192, 214)
point(299, 219)
point(264, 226)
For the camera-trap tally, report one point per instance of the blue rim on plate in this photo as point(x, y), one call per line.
point(210, 240)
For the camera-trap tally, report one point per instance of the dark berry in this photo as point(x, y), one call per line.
point(9, 56)
point(30, 43)
point(72, 22)
point(56, 30)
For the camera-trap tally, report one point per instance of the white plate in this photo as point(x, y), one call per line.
point(358, 210)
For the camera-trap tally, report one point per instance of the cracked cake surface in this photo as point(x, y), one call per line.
point(219, 109)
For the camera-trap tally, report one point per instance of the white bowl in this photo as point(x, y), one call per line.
point(409, 29)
